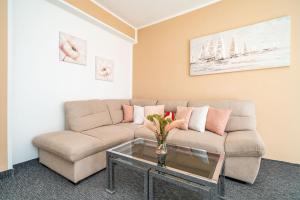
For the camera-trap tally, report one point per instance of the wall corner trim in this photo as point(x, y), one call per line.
point(92, 19)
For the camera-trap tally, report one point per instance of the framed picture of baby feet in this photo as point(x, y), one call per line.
point(72, 49)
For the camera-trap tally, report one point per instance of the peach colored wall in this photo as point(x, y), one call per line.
point(3, 85)
point(161, 69)
point(92, 9)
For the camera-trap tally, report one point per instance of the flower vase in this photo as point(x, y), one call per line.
point(161, 152)
point(161, 147)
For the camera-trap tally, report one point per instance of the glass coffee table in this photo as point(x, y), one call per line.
point(193, 169)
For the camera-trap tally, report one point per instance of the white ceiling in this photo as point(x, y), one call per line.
point(142, 13)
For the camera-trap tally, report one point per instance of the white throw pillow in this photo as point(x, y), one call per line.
point(138, 114)
point(198, 118)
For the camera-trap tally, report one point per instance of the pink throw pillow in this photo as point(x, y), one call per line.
point(150, 110)
point(217, 119)
point(127, 113)
point(183, 113)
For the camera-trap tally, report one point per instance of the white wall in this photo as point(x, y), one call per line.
point(10, 53)
point(39, 83)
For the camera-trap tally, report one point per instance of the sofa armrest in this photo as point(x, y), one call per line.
point(244, 144)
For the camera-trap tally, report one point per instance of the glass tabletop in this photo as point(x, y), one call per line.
point(191, 161)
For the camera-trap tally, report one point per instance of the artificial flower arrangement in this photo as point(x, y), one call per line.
point(161, 126)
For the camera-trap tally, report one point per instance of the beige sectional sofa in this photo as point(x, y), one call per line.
point(93, 126)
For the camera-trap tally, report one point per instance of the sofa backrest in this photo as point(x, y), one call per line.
point(143, 102)
point(171, 105)
point(89, 114)
point(115, 109)
point(85, 115)
point(242, 117)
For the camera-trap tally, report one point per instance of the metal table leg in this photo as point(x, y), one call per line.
point(146, 185)
point(150, 187)
point(221, 184)
point(110, 175)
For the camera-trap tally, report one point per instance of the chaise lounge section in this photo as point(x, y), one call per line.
point(93, 126)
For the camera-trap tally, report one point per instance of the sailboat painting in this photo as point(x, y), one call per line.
point(258, 46)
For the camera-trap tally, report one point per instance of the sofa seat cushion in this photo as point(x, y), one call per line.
point(69, 145)
point(143, 132)
point(130, 126)
point(111, 135)
point(208, 141)
point(244, 143)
